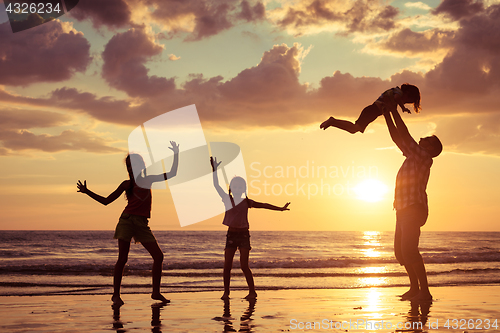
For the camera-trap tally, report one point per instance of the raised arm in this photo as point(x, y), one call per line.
point(401, 127)
point(269, 206)
point(175, 163)
point(148, 180)
point(82, 188)
point(393, 131)
point(215, 165)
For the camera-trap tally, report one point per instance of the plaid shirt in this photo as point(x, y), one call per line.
point(413, 176)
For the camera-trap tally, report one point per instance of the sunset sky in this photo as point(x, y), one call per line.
point(263, 75)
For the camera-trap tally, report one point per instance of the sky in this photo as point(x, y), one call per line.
point(263, 75)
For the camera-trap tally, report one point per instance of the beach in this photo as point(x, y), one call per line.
point(455, 309)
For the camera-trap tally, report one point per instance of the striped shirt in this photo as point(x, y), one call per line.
point(412, 178)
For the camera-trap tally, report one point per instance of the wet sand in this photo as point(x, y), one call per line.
point(335, 310)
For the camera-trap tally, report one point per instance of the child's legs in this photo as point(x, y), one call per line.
point(157, 255)
point(367, 116)
point(344, 125)
point(244, 257)
point(228, 265)
point(123, 250)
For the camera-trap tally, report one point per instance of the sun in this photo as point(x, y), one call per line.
point(370, 190)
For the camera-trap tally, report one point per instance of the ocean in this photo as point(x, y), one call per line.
point(81, 262)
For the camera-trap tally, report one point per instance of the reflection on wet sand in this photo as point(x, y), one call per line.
point(245, 319)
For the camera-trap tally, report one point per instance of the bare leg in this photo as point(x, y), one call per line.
point(419, 287)
point(244, 255)
point(342, 124)
point(123, 250)
point(157, 255)
point(424, 294)
point(228, 265)
point(414, 287)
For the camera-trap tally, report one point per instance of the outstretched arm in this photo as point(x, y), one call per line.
point(269, 206)
point(215, 165)
point(82, 188)
point(393, 131)
point(398, 100)
point(146, 181)
point(401, 127)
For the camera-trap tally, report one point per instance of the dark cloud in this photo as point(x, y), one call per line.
point(110, 13)
point(49, 53)
point(458, 9)
point(250, 14)
point(362, 16)
point(472, 68)
point(415, 43)
point(124, 57)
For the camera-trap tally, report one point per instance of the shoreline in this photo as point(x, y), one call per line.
point(273, 311)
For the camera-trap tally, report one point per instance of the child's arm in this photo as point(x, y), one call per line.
point(146, 181)
point(215, 165)
point(105, 201)
point(397, 98)
point(256, 204)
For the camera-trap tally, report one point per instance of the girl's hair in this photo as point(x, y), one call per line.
point(414, 94)
point(133, 162)
point(240, 181)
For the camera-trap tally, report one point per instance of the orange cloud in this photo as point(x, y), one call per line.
point(15, 136)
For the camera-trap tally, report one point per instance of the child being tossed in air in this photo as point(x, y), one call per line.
point(388, 100)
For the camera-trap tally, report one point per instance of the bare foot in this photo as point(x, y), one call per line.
point(117, 300)
point(225, 296)
point(160, 297)
point(409, 294)
point(251, 295)
point(327, 123)
point(422, 296)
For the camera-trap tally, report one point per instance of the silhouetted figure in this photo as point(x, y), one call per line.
point(410, 201)
point(134, 220)
point(388, 100)
point(238, 236)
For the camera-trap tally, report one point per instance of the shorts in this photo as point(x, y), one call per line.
point(238, 239)
point(407, 235)
point(134, 226)
point(368, 115)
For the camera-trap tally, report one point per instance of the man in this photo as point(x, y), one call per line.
point(410, 202)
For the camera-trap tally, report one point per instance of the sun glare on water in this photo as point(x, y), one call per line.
point(371, 190)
